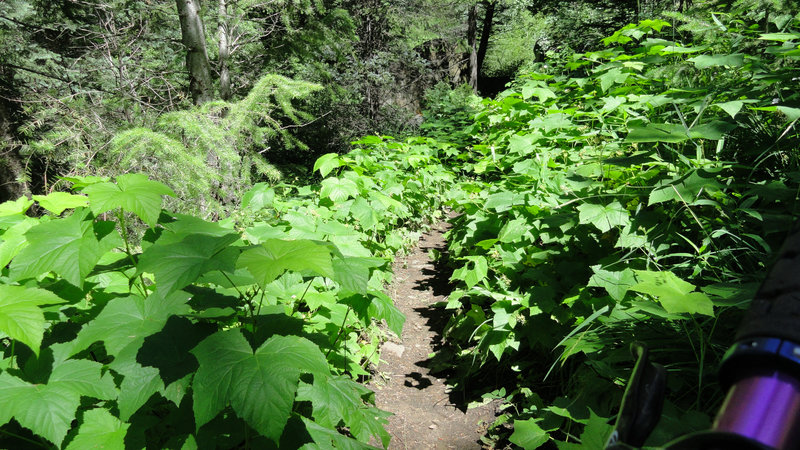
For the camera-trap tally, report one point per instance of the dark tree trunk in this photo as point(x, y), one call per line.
point(194, 39)
point(472, 25)
point(12, 167)
point(485, 33)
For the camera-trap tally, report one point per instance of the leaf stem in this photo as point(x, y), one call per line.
point(123, 226)
point(340, 332)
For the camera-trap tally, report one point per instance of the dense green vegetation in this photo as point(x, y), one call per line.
point(228, 291)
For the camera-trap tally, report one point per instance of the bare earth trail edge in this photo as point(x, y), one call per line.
point(424, 415)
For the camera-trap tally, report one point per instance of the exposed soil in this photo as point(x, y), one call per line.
point(426, 417)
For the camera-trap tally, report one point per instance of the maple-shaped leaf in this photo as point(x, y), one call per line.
point(178, 264)
point(100, 430)
point(336, 399)
point(57, 202)
point(604, 217)
point(328, 438)
point(20, 316)
point(70, 247)
point(124, 323)
point(260, 386)
point(353, 273)
point(49, 409)
point(133, 193)
point(267, 261)
point(338, 189)
point(13, 240)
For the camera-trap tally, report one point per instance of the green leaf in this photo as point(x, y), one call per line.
point(69, 247)
point(100, 430)
point(473, 272)
point(260, 386)
point(674, 294)
point(328, 439)
point(365, 214)
point(124, 323)
point(48, 410)
point(339, 398)
point(780, 37)
point(612, 77)
point(685, 188)
point(133, 193)
point(615, 283)
point(727, 59)
point(20, 316)
point(657, 132)
point(57, 202)
point(604, 217)
point(15, 207)
point(732, 107)
point(327, 162)
point(178, 264)
point(382, 308)
point(353, 273)
point(13, 240)
point(528, 435)
point(258, 197)
point(338, 189)
point(513, 230)
point(266, 262)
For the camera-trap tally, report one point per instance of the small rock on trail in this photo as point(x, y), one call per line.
point(424, 417)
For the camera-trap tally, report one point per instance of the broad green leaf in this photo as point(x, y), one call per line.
point(260, 386)
point(20, 316)
point(57, 202)
point(612, 77)
point(178, 264)
point(528, 435)
point(473, 272)
point(616, 283)
point(382, 308)
point(674, 294)
point(133, 193)
point(504, 200)
point(353, 273)
point(45, 410)
point(727, 59)
point(258, 197)
point(657, 132)
point(266, 262)
point(338, 189)
point(124, 323)
point(327, 162)
point(339, 398)
point(780, 37)
point(604, 217)
point(328, 438)
point(13, 240)
point(15, 207)
point(732, 107)
point(100, 430)
point(69, 247)
point(49, 409)
point(513, 230)
point(685, 188)
point(365, 214)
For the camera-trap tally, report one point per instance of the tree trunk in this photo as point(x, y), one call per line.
point(224, 52)
point(472, 19)
point(193, 37)
point(486, 33)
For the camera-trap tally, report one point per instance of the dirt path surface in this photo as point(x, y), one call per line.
point(425, 417)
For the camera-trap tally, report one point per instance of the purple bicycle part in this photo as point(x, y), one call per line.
point(764, 407)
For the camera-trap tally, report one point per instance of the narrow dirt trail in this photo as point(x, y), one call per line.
point(425, 417)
